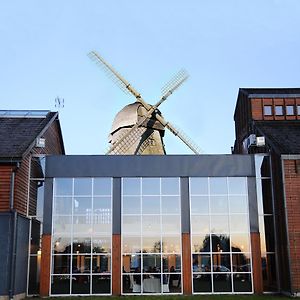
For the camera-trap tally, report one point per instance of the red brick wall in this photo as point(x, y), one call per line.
point(292, 195)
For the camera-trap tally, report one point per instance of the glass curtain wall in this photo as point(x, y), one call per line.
point(151, 236)
point(220, 235)
point(81, 237)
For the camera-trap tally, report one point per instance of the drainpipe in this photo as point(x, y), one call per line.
point(14, 233)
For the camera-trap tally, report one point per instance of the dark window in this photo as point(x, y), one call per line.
point(268, 110)
point(290, 110)
point(278, 110)
point(298, 110)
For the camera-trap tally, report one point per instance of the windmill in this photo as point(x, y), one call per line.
point(139, 127)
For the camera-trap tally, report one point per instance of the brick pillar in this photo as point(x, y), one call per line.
point(116, 264)
point(45, 265)
point(256, 263)
point(186, 264)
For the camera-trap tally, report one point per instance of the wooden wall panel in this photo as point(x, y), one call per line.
point(116, 264)
point(45, 266)
point(256, 263)
point(5, 178)
point(186, 264)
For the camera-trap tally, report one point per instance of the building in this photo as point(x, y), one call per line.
point(26, 137)
point(268, 121)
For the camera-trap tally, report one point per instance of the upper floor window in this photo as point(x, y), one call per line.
point(290, 110)
point(298, 110)
point(268, 110)
point(279, 110)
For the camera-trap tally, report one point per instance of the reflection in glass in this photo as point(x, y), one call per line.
point(266, 186)
point(101, 204)
point(100, 284)
point(62, 225)
point(102, 186)
point(151, 224)
point(238, 204)
point(131, 204)
point(60, 285)
point(61, 264)
point(240, 242)
point(150, 186)
point(219, 204)
point(61, 244)
point(131, 244)
point(82, 225)
point(151, 244)
point(202, 283)
point(151, 263)
point(81, 284)
point(131, 225)
point(150, 204)
point(199, 186)
point(81, 264)
point(239, 223)
point(170, 204)
point(241, 263)
point(172, 283)
point(131, 186)
point(200, 224)
point(171, 244)
point(269, 272)
point(63, 186)
point(219, 224)
point(201, 263)
point(83, 186)
point(101, 264)
point(218, 185)
point(201, 243)
point(101, 244)
point(199, 204)
point(269, 229)
point(170, 186)
point(222, 282)
point(81, 245)
point(152, 283)
point(221, 263)
point(220, 243)
point(82, 205)
point(132, 263)
point(170, 224)
point(237, 185)
point(34, 276)
point(171, 263)
point(242, 283)
point(62, 206)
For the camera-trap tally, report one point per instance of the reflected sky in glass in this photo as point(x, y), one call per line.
point(83, 186)
point(102, 186)
point(218, 185)
point(131, 186)
point(63, 186)
point(150, 186)
point(170, 186)
point(199, 186)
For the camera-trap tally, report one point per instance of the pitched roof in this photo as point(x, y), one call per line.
point(283, 136)
point(18, 131)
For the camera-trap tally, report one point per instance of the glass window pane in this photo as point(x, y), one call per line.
point(199, 186)
point(132, 244)
point(242, 283)
point(237, 185)
point(34, 278)
point(150, 186)
point(268, 110)
point(60, 285)
point(221, 263)
point(278, 110)
point(101, 284)
point(219, 204)
point(131, 225)
point(218, 185)
point(170, 204)
point(241, 263)
point(290, 110)
point(101, 244)
point(62, 225)
point(81, 264)
point(220, 243)
point(131, 204)
point(151, 263)
point(63, 186)
point(298, 110)
point(269, 273)
point(239, 223)
point(200, 243)
point(102, 186)
point(82, 225)
point(222, 282)
point(83, 186)
point(101, 264)
point(269, 233)
point(199, 204)
point(102, 222)
point(152, 284)
point(171, 244)
point(240, 242)
point(151, 244)
point(202, 283)
point(61, 244)
point(201, 263)
point(150, 204)
point(238, 204)
point(219, 224)
point(61, 264)
point(102, 204)
point(131, 186)
point(62, 206)
point(200, 224)
point(171, 224)
point(81, 245)
point(132, 263)
point(151, 224)
point(171, 263)
point(81, 284)
point(170, 186)
point(82, 205)
point(172, 283)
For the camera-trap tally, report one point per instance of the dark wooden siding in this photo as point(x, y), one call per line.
point(5, 177)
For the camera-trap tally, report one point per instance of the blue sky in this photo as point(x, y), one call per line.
point(224, 45)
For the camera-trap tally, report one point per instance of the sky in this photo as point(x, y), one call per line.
point(223, 45)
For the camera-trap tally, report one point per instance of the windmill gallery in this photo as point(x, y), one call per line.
point(138, 221)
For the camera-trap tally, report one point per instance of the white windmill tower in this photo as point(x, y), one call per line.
point(139, 127)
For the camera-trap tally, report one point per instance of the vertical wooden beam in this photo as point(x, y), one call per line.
point(45, 265)
point(186, 264)
point(256, 263)
point(116, 264)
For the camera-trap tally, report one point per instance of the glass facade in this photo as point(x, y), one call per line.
point(151, 236)
point(81, 236)
point(220, 235)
